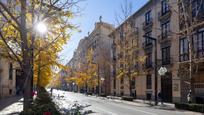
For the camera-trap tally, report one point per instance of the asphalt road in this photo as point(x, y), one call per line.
point(104, 106)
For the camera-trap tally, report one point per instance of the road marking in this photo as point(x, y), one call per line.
point(146, 112)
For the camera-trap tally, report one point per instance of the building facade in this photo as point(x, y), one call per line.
point(9, 78)
point(157, 19)
point(100, 43)
point(191, 39)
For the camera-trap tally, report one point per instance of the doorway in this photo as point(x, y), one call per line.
point(166, 87)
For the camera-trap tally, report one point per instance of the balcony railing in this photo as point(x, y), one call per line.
point(200, 53)
point(147, 45)
point(164, 16)
point(165, 38)
point(148, 24)
point(184, 57)
point(148, 65)
point(167, 61)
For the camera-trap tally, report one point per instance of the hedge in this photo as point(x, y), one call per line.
point(127, 98)
point(190, 106)
point(43, 103)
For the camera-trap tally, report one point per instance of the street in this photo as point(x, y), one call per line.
point(104, 106)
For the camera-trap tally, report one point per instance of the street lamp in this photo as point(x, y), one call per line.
point(155, 66)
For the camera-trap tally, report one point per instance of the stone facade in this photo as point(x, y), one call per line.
point(99, 41)
point(191, 50)
point(7, 78)
point(162, 24)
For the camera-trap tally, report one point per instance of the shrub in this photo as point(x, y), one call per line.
point(43, 103)
point(190, 106)
point(127, 98)
point(103, 95)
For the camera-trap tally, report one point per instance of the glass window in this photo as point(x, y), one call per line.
point(147, 40)
point(165, 7)
point(10, 71)
point(184, 49)
point(122, 80)
point(148, 17)
point(149, 82)
point(194, 8)
point(166, 55)
point(200, 44)
point(165, 29)
point(149, 60)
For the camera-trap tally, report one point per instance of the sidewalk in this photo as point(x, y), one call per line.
point(166, 106)
point(11, 105)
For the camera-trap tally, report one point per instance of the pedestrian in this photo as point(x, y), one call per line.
point(160, 96)
point(17, 90)
point(51, 90)
point(189, 97)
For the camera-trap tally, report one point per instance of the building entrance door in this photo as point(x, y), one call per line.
point(19, 82)
point(166, 87)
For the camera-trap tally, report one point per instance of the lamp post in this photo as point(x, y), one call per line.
point(155, 66)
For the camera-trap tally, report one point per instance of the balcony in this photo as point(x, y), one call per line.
point(148, 65)
point(147, 47)
point(148, 25)
point(166, 62)
point(164, 16)
point(165, 38)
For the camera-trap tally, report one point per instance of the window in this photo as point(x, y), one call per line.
point(149, 60)
point(165, 29)
point(10, 71)
point(184, 49)
point(122, 80)
point(165, 55)
point(114, 79)
point(133, 83)
point(194, 8)
point(198, 40)
point(202, 7)
point(165, 7)
point(122, 34)
point(114, 83)
point(148, 18)
point(149, 82)
point(147, 40)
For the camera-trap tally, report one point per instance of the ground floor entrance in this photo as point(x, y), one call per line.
point(166, 87)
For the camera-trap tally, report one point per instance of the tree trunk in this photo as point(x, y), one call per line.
point(130, 86)
point(26, 63)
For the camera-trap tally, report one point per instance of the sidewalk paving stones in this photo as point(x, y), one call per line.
point(11, 105)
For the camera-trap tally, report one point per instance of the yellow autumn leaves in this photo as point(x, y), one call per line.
point(45, 47)
point(87, 76)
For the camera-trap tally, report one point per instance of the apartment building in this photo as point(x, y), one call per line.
point(100, 43)
point(157, 19)
point(191, 49)
point(10, 78)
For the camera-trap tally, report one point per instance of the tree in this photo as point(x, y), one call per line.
point(86, 76)
point(18, 35)
point(127, 45)
point(125, 12)
point(127, 48)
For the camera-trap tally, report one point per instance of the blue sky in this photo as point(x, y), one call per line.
point(92, 9)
